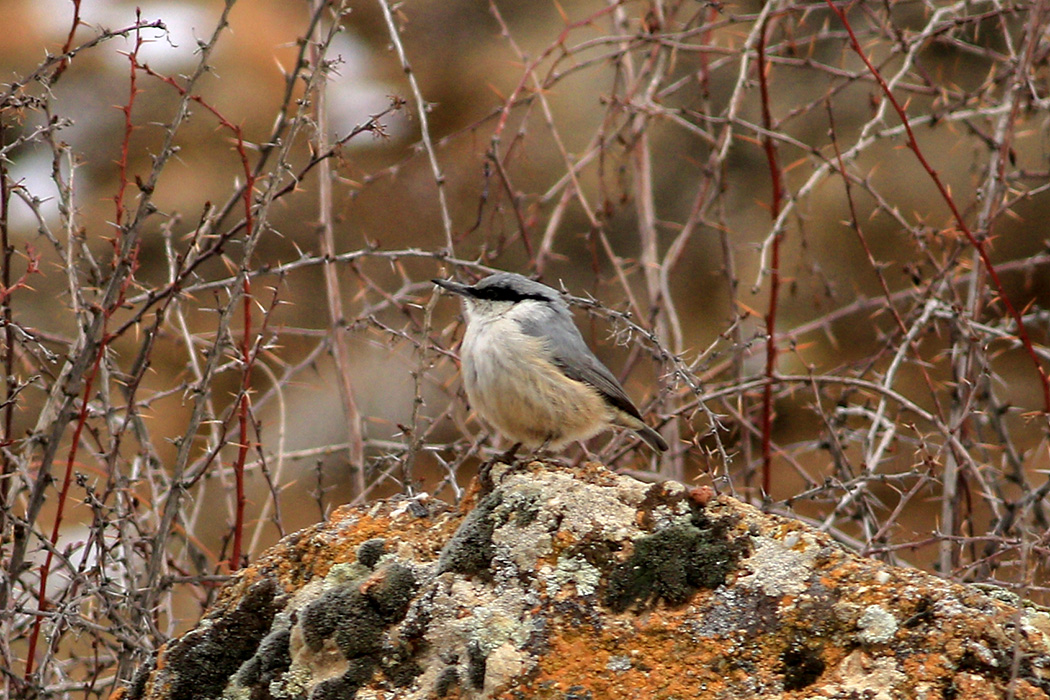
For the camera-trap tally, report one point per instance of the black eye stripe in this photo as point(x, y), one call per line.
point(504, 294)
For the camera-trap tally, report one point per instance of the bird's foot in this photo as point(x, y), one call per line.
point(508, 456)
point(485, 479)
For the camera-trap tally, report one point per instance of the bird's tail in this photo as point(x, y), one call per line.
point(654, 439)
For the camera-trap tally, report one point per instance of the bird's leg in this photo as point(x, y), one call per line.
point(543, 446)
point(485, 472)
point(508, 456)
point(538, 453)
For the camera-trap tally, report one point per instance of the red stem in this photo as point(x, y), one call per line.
point(122, 184)
point(774, 269)
point(247, 358)
point(9, 351)
point(69, 40)
point(978, 245)
point(705, 40)
point(242, 415)
point(63, 496)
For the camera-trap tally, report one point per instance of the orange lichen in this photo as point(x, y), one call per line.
point(792, 615)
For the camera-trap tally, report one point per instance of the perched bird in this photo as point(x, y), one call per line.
point(528, 371)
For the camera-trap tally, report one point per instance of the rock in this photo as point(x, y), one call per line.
point(581, 584)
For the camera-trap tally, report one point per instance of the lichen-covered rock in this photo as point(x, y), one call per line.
point(581, 584)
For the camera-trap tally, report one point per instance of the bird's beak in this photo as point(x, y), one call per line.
point(454, 287)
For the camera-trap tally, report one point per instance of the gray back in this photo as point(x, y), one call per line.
point(570, 353)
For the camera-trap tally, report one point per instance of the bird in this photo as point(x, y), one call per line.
point(528, 372)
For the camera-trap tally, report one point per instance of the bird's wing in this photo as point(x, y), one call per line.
point(571, 354)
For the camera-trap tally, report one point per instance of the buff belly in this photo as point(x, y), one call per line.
point(527, 398)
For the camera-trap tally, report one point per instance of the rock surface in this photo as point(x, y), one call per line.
point(581, 584)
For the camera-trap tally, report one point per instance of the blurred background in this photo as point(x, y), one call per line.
point(220, 221)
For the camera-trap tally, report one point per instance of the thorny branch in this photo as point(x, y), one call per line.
point(174, 353)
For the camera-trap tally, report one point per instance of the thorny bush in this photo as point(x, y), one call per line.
point(807, 235)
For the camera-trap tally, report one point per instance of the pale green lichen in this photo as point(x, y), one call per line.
point(345, 572)
point(669, 515)
point(236, 692)
point(777, 567)
point(1036, 623)
point(578, 572)
point(877, 625)
point(505, 619)
point(294, 682)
